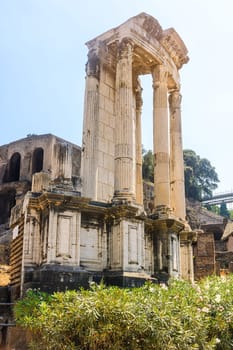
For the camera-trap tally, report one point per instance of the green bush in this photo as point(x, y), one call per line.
point(180, 316)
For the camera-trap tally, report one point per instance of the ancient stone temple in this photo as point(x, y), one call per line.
point(112, 145)
point(65, 235)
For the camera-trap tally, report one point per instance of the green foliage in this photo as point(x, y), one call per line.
point(220, 210)
point(148, 166)
point(200, 176)
point(231, 214)
point(224, 211)
point(180, 316)
point(214, 208)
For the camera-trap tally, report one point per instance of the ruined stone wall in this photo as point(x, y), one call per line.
point(3, 161)
point(55, 155)
point(224, 261)
point(25, 148)
point(220, 246)
point(20, 159)
point(204, 255)
point(56, 161)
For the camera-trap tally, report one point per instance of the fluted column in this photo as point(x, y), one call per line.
point(90, 128)
point(124, 132)
point(177, 163)
point(161, 137)
point(139, 183)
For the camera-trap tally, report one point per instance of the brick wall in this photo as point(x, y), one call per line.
point(204, 255)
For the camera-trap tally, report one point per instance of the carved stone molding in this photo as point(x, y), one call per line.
point(125, 48)
point(152, 26)
point(188, 236)
point(175, 46)
point(160, 75)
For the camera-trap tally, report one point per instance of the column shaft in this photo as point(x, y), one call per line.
point(176, 156)
point(90, 129)
point(161, 137)
point(124, 132)
point(139, 182)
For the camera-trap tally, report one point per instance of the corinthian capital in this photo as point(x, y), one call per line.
point(93, 64)
point(125, 48)
point(160, 75)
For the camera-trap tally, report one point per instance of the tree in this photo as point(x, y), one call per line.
point(200, 176)
point(148, 165)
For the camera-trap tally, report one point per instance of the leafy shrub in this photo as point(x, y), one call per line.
point(180, 316)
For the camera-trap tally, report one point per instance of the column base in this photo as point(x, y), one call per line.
point(54, 278)
point(123, 198)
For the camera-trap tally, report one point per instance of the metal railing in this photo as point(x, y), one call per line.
point(220, 198)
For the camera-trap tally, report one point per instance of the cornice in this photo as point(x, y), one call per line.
point(85, 205)
point(174, 45)
point(165, 46)
point(167, 225)
point(122, 211)
point(188, 236)
point(57, 200)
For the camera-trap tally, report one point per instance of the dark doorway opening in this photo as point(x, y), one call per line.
point(37, 160)
point(12, 172)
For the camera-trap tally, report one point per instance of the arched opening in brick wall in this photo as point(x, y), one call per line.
point(12, 172)
point(37, 160)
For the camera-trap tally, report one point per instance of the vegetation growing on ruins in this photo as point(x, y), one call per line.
point(180, 316)
point(200, 176)
point(221, 210)
point(148, 165)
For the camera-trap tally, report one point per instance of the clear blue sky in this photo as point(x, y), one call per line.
point(42, 69)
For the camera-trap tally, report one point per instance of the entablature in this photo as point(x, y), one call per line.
point(151, 46)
